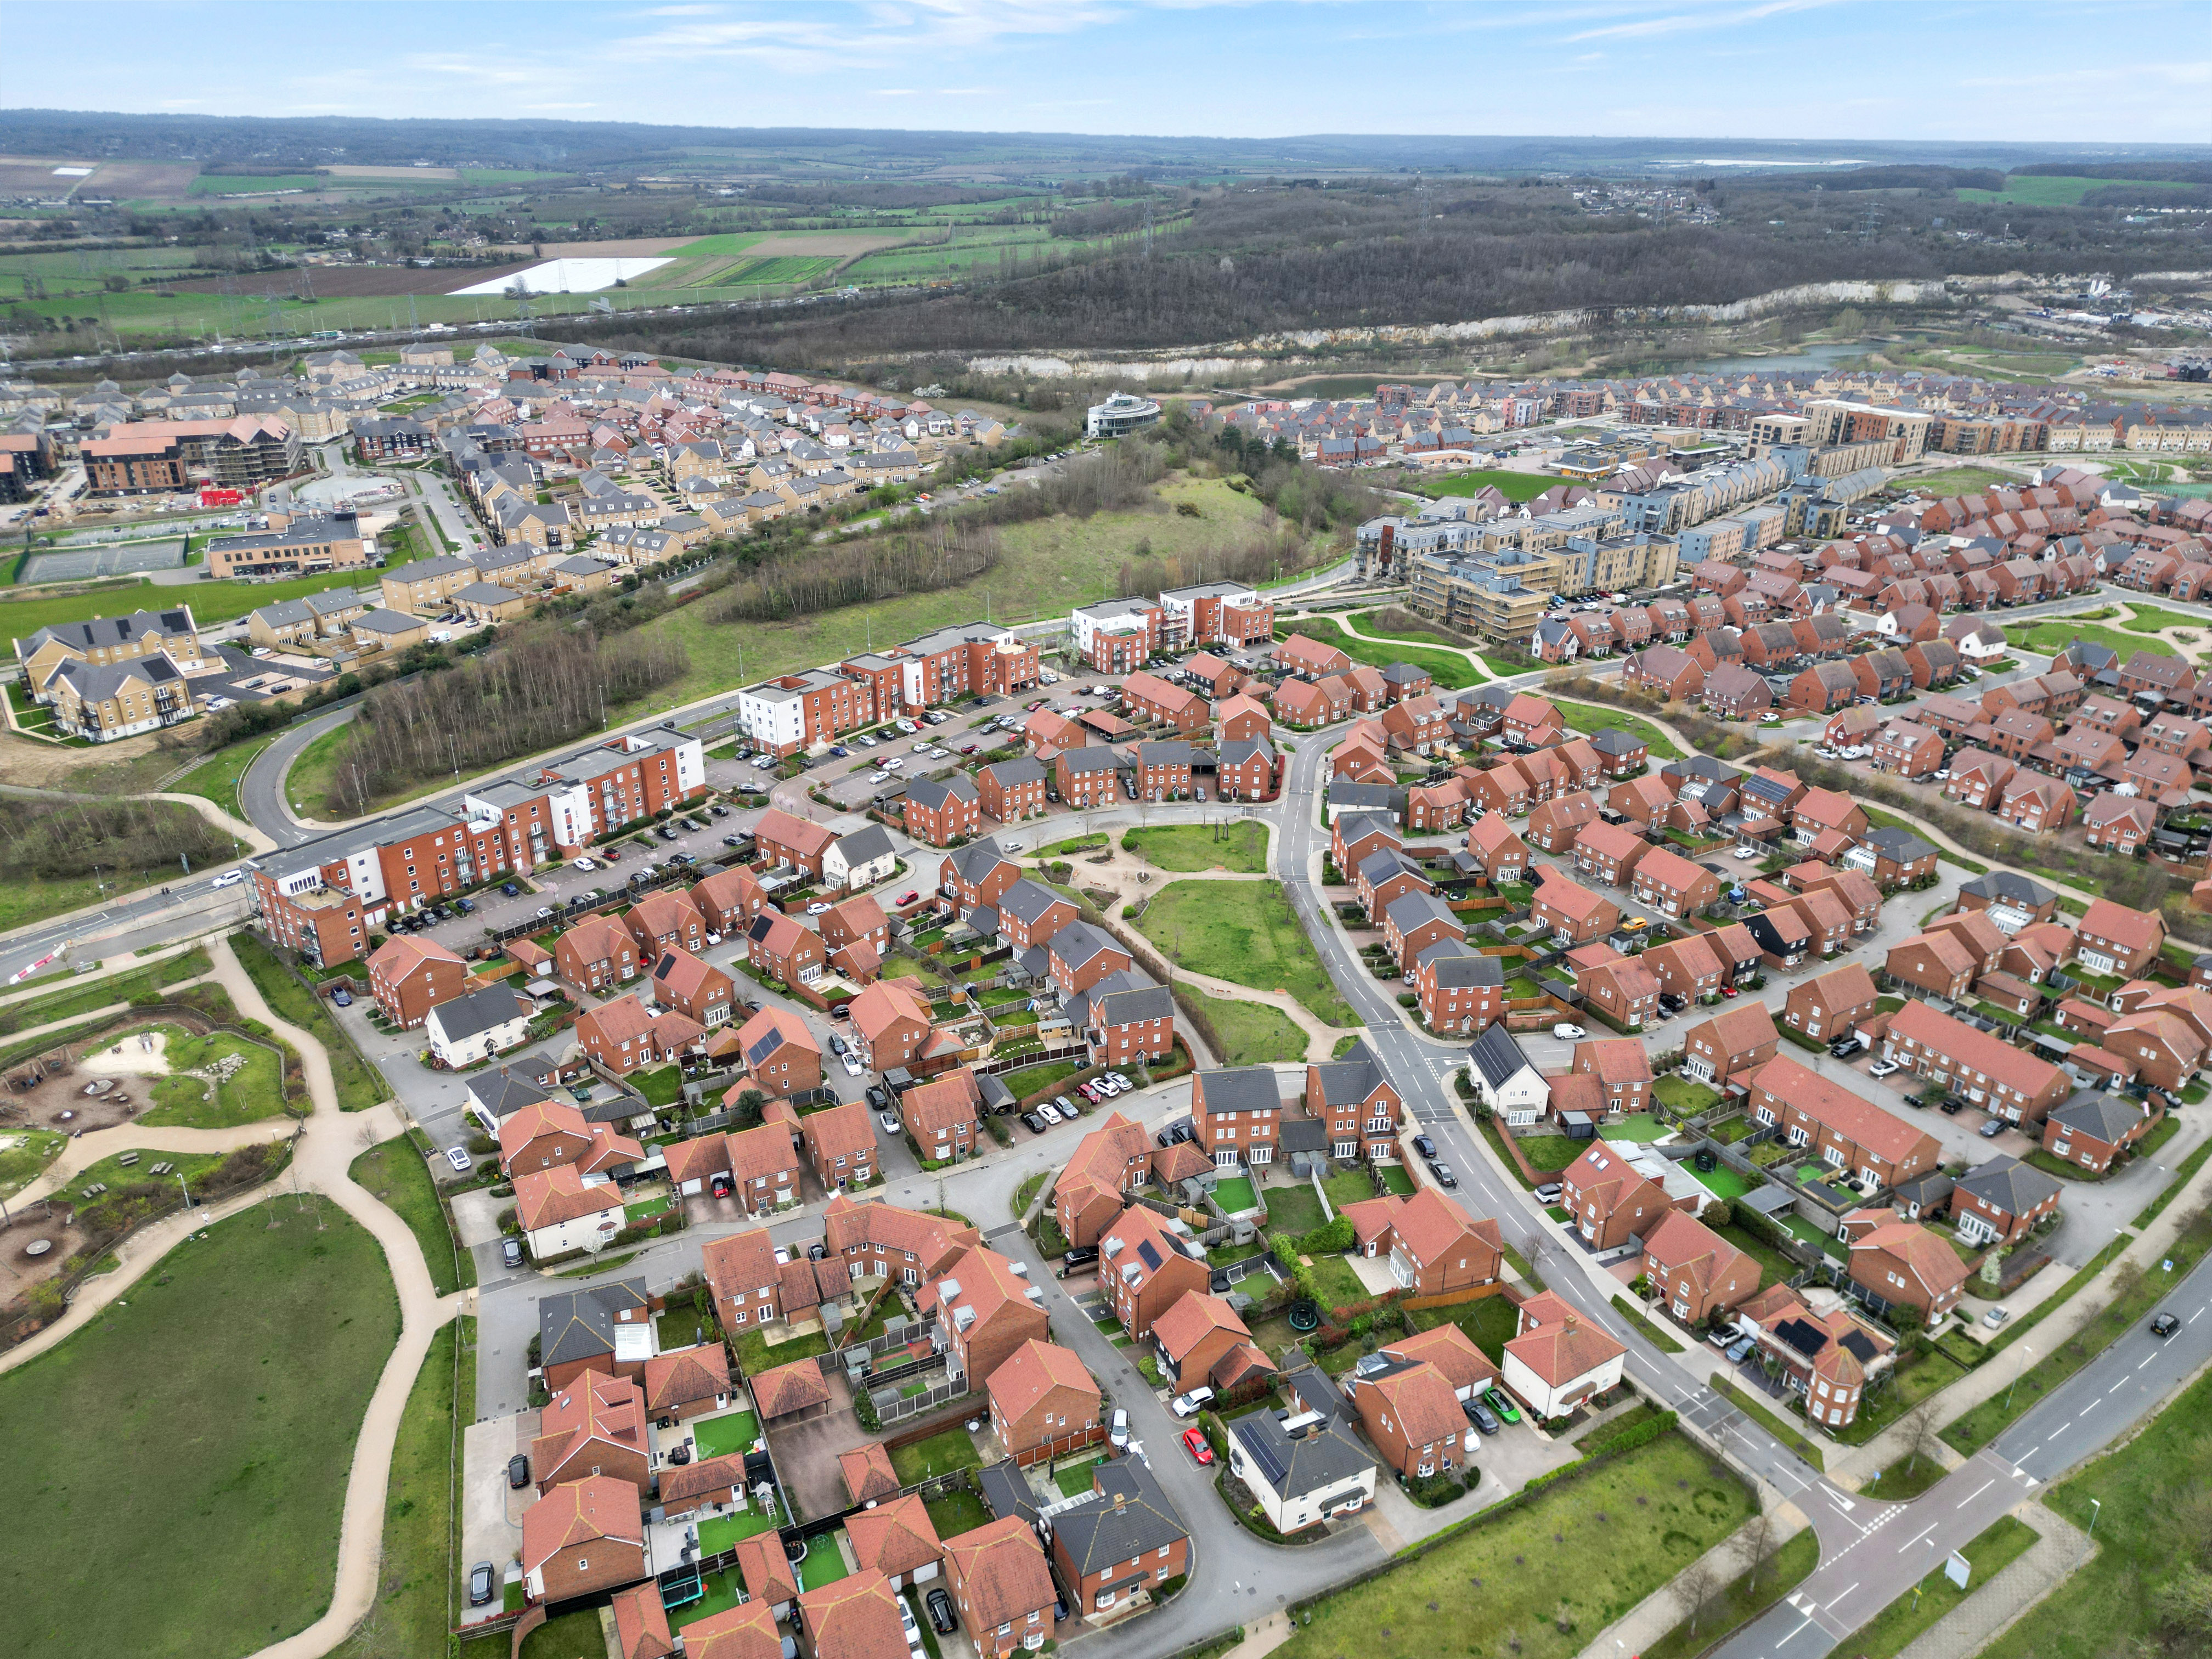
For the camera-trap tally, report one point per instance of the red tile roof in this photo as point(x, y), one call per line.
point(1564, 1345)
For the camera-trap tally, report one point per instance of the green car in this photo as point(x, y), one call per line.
point(1505, 1408)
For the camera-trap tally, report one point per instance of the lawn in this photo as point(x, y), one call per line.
point(949, 1449)
point(661, 1086)
point(2143, 1541)
point(1593, 718)
point(1740, 1603)
point(420, 1566)
point(1396, 1180)
point(1335, 1285)
point(1892, 1631)
point(577, 1635)
point(1451, 669)
point(1293, 1210)
point(755, 1355)
point(1638, 1127)
point(1513, 486)
point(1720, 1181)
point(1075, 1479)
point(957, 1512)
point(252, 1093)
point(2149, 619)
point(399, 1175)
point(1685, 1096)
point(1490, 1320)
point(735, 1431)
point(722, 1590)
point(824, 1563)
point(1190, 846)
point(24, 1155)
point(217, 777)
point(1651, 1332)
point(1253, 1033)
point(197, 1374)
point(1245, 933)
point(359, 1086)
point(1235, 1195)
point(1035, 1080)
point(1773, 1265)
point(1549, 1152)
point(1579, 1554)
point(2053, 636)
point(725, 1530)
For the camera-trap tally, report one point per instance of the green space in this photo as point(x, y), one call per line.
point(2054, 636)
point(217, 777)
point(2180, 1179)
point(1513, 486)
point(723, 1590)
point(359, 1085)
point(1890, 1632)
point(1189, 847)
point(1293, 1209)
point(724, 1531)
point(1397, 1180)
point(25, 899)
point(81, 995)
point(1490, 1321)
point(1549, 1152)
point(1762, 1412)
point(1962, 480)
point(957, 1512)
point(2038, 190)
point(942, 1453)
point(212, 602)
point(1036, 1079)
point(1451, 669)
point(577, 1635)
point(398, 1175)
point(1235, 1195)
point(1743, 1601)
point(1588, 717)
point(731, 1433)
point(1907, 1478)
point(199, 1374)
point(824, 1564)
point(2144, 1589)
point(1638, 1127)
point(1720, 1181)
point(2150, 619)
point(754, 1353)
point(1335, 1286)
point(1648, 1329)
point(418, 1582)
point(1540, 1581)
point(24, 1155)
point(308, 781)
point(250, 1093)
point(1246, 932)
point(1251, 1033)
point(1075, 1479)
point(1406, 633)
point(2134, 1290)
point(1773, 1267)
point(1685, 1096)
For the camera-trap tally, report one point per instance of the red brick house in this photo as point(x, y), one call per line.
point(780, 1054)
point(730, 898)
point(1574, 914)
point(1609, 852)
point(1838, 1125)
point(1554, 824)
point(1667, 882)
point(841, 1146)
point(1626, 990)
point(938, 813)
point(1999, 1201)
point(666, 920)
point(1411, 1416)
point(1009, 791)
point(622, 1036)
point(1043, 1402)
point(1899, 1264)
point(891, 1022)
point(1827, 1005)
point(1907, 750)
point(1237, 1114)
point(693, 987)
point(409, 976)
point(1002, 1587)
point(1109, 1164)
point(2095, 1130)
point(1730, 1047)
point(1695, 1274)
point(943, 1116)
point(1146, 696)
point(1623, 1070)
point(1145, 1269)
point(1610, 1202)
point(783, 839)
point(596, 955)
point(2007, 1082)
point(783, 950)
point(582, 1537)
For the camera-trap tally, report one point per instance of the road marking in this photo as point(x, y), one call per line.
point(1909, 1542)
point(2147, 1360)
point(1831, 1606)
point(1977, 1492)
point(1785, 1641)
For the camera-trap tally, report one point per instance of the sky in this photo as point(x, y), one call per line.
point(2020, 71)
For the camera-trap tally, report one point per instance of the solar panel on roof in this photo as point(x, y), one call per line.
point(1263, 1454)
point(1151, 1256)
point(1805, 1337)
point(762, 1048)
point(1858, 1345)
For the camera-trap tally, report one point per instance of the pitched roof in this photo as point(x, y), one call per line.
point(854, 1617)
point(867, 1471)
point(1858, 1121)
point(581, 1512)
point(1129, 1515)
point(1194, 1317)
point(747, 1630)
point(1420, 1399)
point(2008, 1184)
point(1002, 1572)
point(895, 1537)
point(789, 1389)
point(1563, 1346)
point(1497, 1056)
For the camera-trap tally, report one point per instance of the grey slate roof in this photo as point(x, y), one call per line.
point(865, 845)
point(1129, 1516)
point(1242, 1089)
point(1379, 866)
point(2010, 1185)
point(2008, 886)
point(932, 794)
point(1078, 942)
point(1321, 1457)
point(1459, 966)
point(1411, 910)
point(504, 1092)
point(1011, 773)
point(2106, 1117)
point(1353, 1079)
point(1381, 798)
point(1496, 1057)
point(977, 860)
point(478, 1011)
point(1356, 825)
point(1901, 845)
point(1026, 901)
point(578, 1324)
point(1129, 1007)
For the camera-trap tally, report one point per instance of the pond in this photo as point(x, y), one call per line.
point(1823, 355)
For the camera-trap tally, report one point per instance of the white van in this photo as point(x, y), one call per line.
point(1118, 1437)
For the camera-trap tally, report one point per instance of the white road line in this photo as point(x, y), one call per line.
point(1786, 1640)
point(2147, 1360)
point(1977, 1492)
point(1915, 1539)
point(1855, 1584)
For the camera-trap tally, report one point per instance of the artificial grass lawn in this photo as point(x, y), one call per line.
point(1254, 1033)
point(359, 1085)
point(733, 1431)
point(824, 1563)
point(2106, 1607)
point(1234, 1193)
point(1740, 1603)
point(1594, 717)
point(1189, 847)
point(1246, 932)
point(1892, 1631)
point(957, 1512)
point(942, 1453)
point(1293, 1210)
point(239, 1372)
point(420, 1559)
point(1490, 1321)
point(1582, 1552)
point(192, 1103)
point(722, 1589)
point(399, 1177)
point(1075, 1479)
point(725, 1530)
point(1638, 1127)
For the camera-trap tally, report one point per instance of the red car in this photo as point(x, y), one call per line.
point(1728, 990)
point(1193, 1442)
point(909, 897)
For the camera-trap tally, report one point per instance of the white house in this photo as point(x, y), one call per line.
point(1503, 1080)
point(1560, 1359)
point(1303, 1469)
point(476, 1026)
point(562, 1210)
point(860, 860)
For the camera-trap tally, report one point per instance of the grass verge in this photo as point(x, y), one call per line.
point(1246, 933)
point(1741, 1602)
point(1185, 848)
point(1252, 1033)
point(359, 1086)
point(396, 1174)
point(1890, 1632)
point(1651, 1332)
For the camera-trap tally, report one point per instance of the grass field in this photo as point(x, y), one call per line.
point(217, 777)
point(2144, 1540)
point(1740, 1602)
point(2054, 636)
point(315, 768)
point(1579, 1554)
point(359, 1083)
point(1590, 717)
point(1254, 1033)
point(1513, 486)
point(418, 1584)
point(1246, 932)
point(199, 1374)
point(1449, 669)
point(1962, 480)
point(2149, 619)
point(399, 1177)
point(938, 1454)
point(1235, 1195)
point(1188, 847)
point(212, 602)
point(190, 1103)
point(2030, 190)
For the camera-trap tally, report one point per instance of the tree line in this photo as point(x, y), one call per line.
point(805, 580)
point(69, 840)
point(546, 686)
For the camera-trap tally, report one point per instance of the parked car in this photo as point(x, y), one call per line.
point(1193, 1442)
point(1480, 1415)
point(1424, 1146)
point(1190, 1404)
point(909, 896)
point(820, 907)
point(342, 997)
point(1050, 1115)
point(1736, 1350)
point(1568, 1033)
point(1444, 1174)
point(1066, 1107)
point(459, 1158)
point(1034, 1124)
point(1992, 1129)
point(1496, 1399)
point(481, 1584)
point(587, 864)
point(510, 1252)
point(852, 1066)
point(1080, 1255)
point(510, 889)
point(1745, 851)
point(1882, 1068)
point(940, 1611)
point(1997, 1316)
point(1121, 1082)
point(1118, 1436)
point(890, 1122)
point(517, 1472)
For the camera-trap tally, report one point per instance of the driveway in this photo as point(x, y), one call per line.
point(491, 1510)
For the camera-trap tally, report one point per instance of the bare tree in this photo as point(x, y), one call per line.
point(1761, 1538)
point(1920, 1436)
point(1695, 1587)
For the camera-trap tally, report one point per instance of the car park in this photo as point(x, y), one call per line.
point(510, 889)
point(1049, 1113)
point(1066, 1107)
point(1121, 1082)
point(466, 907)
point(585, 865)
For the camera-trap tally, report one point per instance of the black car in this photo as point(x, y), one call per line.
point(510, 1252)
point(1424, 1146)
point(517, 1472)
point(1081, 1256)
point(665, 831)
point(1480, 1415)
point(816, 1252)
point(2165, 1324)
point(941, 1612)
point(1034, 1124)
point(1444, 1174)
point(1952, 1105)
point(879, 1097)
point(733, 841)
point(719, 811)
point(1059, 1609)
point(480, 1584)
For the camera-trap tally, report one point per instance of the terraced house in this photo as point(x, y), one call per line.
point(1837, 1127)
point(2005, 1081)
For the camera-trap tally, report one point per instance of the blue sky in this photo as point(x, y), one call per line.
point(2021, 71)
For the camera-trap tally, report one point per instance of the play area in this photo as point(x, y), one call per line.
point(173, 1073)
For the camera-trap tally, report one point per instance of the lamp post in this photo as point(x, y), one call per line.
point(2095, 1507)
point(2024, 1352)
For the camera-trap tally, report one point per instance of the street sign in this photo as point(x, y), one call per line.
point(1956, 1570)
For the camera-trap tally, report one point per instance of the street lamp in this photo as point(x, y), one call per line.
point(2024, 1352)
point(2096, 1506)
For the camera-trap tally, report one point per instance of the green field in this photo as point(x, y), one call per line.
point(24, 1155)
point(398, 1175)
point(1189, 847)
point(1254, 1033)
point(216, 184)
point(358, 1083)
point(2149, 619)
point(203, 1374)
point(192, 1103)
point(1451, 670)
point(2024, 190)
point(1513, 486)
point(715, 247)
point(1541, 1581)
point(1246, 932)
point(2053, 636)
point(941, 1454)
point(217, 777)
point(1592, 717)
point(1961, 481)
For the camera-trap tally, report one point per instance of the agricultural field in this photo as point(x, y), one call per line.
point(2024, 190)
